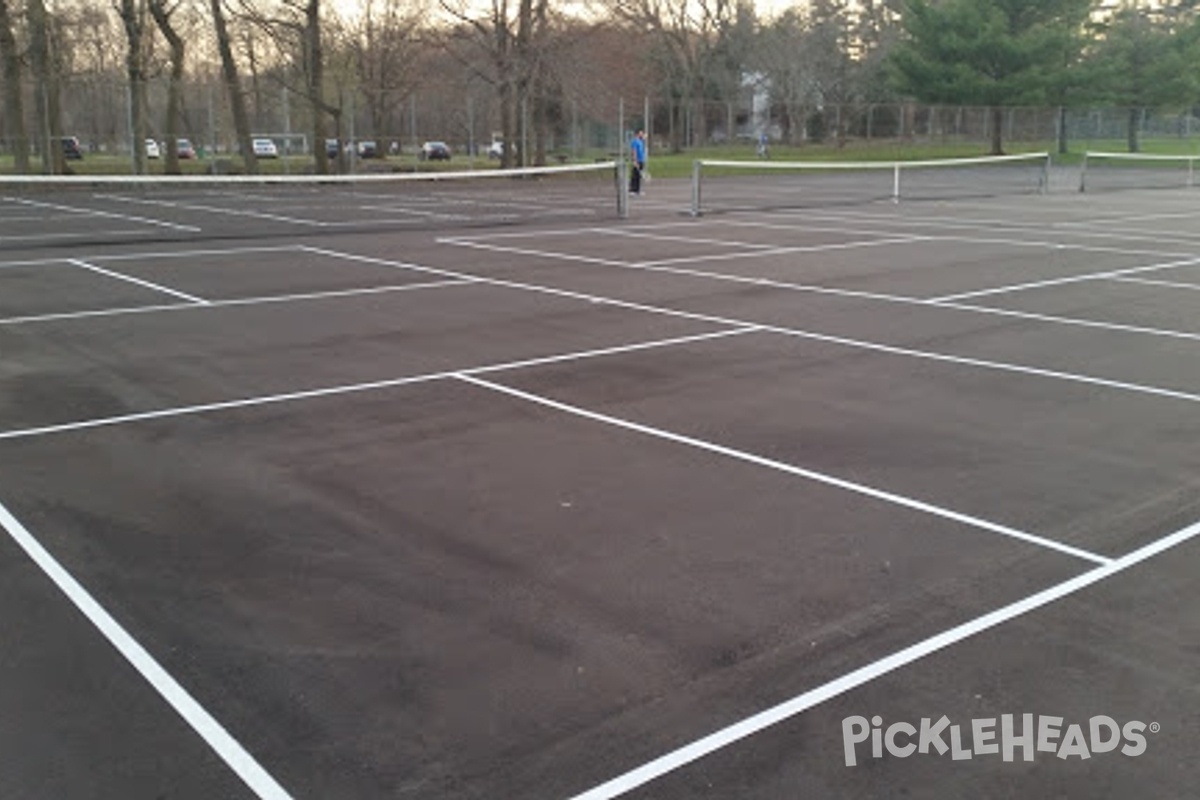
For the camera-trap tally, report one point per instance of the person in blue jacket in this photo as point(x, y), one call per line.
point(637, 149)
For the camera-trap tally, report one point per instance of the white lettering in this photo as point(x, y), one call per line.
point(854, 730)
point(1011, 741)
point(890, 740)
point(933, 735)
point(957, 753)
point(1137, 742)
point(1073, 744)
point(1047, 733)
point(1097, 741)
point(982, 732)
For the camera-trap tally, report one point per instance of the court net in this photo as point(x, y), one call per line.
point(1114, 171)
point(765, 185)
point(79, 209)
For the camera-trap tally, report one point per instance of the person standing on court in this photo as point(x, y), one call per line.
point(637, 148)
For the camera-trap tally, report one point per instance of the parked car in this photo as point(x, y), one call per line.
point(265, 148)
point(496, 150)
point(184, 148)
point(152, 149)
point(332, 148)
point(368, 149)
point(71, 149)
point(435, 151)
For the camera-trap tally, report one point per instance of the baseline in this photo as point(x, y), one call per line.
point(201, 721)
point(749, 726)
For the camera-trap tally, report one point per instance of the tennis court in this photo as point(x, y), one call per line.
point(340, 492)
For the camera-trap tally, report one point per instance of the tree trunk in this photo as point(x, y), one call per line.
point(162, 19)
point(132, 15)
point(1063, 143)
point(233, 87)
point(1132, 135)
point(44, 94)
point(315, 56)
point(14, 110)
point(997, 131)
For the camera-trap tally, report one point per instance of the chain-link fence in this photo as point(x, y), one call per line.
point(560, 128)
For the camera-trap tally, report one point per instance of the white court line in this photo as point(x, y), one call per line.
point(213, 210)
point(39, 237)
point(214, 734)
point(332, 391)
point(1022, 287)
point(805, 227)
point(654, 265)
point(137, 281)
point(791, 469)
point(659, 237)
point(749, 726)
point(240, 301)
point(865, 295)
point(91, 212)
point(34, 262)
point(1191, 287)
point(998, 366)
point(942, 237)
point(788, 250)
point(1131, 218)
point(987, 224)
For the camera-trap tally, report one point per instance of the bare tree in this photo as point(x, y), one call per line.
point(49, 116)
point(233, 88)
point(162, 10)
point(684, 35)
point(511, 36)
point(133, 16)
point(386, 45)
point(14, 110)
point(295, 28)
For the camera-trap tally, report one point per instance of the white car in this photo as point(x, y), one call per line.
point(496, 150)
point(152, 149)
point(265, 148)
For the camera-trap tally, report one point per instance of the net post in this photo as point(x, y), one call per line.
point(1045, 187)
point(896, 182)
point(1191, 172)
point(696, 188)
point(1083, 173)
point(622, 172)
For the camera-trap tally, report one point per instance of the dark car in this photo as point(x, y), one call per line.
point(184, 149)
point(435, 151)
point(332, 148)
point(71, 149)
point(368, 149)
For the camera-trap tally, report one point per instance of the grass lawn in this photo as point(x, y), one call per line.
point(663, 164)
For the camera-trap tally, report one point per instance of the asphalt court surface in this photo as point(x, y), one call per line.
point(521, 512)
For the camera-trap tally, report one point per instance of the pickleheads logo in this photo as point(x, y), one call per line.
point(1041, 734)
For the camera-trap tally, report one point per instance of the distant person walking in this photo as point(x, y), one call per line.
point(637, 152)
point(763, 144)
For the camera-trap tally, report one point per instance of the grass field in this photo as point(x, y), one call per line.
point(664, 164)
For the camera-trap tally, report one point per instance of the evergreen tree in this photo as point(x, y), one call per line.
point(990, 53)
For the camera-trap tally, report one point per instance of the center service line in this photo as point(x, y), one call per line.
point(791, 469)
point(219, 739)
point(725, 737)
